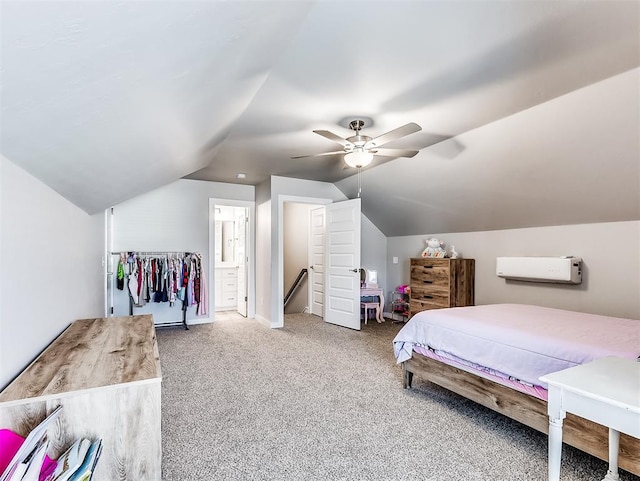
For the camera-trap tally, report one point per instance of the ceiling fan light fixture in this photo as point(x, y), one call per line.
point(358, 158)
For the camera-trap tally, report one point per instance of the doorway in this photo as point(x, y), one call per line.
point(341, 260)
point(231, 257)
point(303, 249)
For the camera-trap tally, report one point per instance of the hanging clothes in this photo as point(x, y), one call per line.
point(203, 305)
point(158, 278)
point(120, 274)
point(196, 280)
point(184, 281)
point(133, 279)
point(157, 296)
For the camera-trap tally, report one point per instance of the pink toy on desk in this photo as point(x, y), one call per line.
point(10, 442)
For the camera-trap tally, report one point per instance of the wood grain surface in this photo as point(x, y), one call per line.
point(577, 432)
point(106, 375)
point(89, 354)
point(440, 283)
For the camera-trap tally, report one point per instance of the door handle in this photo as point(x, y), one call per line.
point(355, 270)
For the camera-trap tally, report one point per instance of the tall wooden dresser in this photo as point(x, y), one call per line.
point(438, 283)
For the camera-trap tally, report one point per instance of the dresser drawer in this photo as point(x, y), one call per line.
point(229, 299)
point(227, 272)
point(229, 285)
point(417, 306)
point(419, 291)
point(438, 277)
point(431, 297)
point(430, 274)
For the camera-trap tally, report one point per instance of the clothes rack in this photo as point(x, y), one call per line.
point(166, 255)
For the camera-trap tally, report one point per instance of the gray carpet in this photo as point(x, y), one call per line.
point(316, 401)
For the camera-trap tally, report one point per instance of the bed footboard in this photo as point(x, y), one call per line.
point(577, 432)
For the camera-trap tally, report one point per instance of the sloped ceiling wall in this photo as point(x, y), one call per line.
point(104, 101)
point(572, 160)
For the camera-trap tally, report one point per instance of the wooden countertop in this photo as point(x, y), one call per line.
point(90, 354)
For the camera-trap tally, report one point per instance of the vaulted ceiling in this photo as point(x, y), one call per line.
point(529, 110)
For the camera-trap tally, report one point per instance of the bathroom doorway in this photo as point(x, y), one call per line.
point(231, 258)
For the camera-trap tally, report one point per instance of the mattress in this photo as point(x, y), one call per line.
point(519, 342)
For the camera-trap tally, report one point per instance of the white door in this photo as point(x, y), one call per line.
point(342, 264)
point(242, 225)
point(316, 261)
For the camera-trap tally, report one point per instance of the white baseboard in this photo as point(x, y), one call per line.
point(199, 320)
point(262, 320)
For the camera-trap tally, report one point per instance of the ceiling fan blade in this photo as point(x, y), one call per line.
point(318, 155)
point(395, 152)
point(333, 137)
point(394, 134)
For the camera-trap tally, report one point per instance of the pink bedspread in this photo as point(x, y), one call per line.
point(521, 341)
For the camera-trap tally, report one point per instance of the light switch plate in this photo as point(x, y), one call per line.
point(395, 260)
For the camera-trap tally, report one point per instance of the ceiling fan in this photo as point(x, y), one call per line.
point(359, 149)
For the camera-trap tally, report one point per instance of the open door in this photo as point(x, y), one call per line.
point(342, 264)
point(316, 261)
point(241, 260)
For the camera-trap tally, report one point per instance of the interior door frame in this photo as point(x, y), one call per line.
point(243, 227)
point(311, 272)
point(279, 287)
point(250, 251)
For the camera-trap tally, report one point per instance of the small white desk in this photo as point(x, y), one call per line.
point(605, 391)
point(374, 291)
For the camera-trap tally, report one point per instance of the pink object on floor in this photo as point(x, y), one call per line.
point(10, 442)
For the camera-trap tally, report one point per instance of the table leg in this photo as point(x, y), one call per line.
point(614, 445)
point(379, 317)
point(555, 448)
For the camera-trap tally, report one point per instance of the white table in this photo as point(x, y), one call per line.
point(605, 391)
point(375, 292)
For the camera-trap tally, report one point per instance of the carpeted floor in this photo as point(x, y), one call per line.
point(316, 401)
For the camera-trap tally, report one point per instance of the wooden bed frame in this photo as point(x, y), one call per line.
point(577, 432)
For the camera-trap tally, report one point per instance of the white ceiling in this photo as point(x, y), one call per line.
point(106, 100)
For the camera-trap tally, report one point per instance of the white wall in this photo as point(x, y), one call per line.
point(51, 263)
point(373, 255)
point(611, 254)
point(263, 251)
point(172, 218)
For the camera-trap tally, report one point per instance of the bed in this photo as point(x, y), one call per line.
point(494, 355)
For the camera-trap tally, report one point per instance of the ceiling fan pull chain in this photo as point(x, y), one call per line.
point(359, 182)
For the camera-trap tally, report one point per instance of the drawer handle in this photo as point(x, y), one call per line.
point(428, 267)
point(427, 282)
point(427, 297)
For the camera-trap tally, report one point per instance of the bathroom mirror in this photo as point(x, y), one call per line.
point(368, 277)
point(225, 241)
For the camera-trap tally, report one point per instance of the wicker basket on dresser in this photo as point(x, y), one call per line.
point(438, 283)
